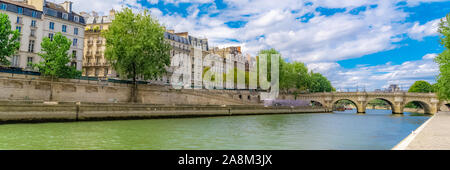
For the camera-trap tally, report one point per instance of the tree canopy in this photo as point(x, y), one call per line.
point(421, 87)
point(320, 83)
point(56, 58)
point(136, 48)
point(295, 76)
point(9, 40)
point(443, 60)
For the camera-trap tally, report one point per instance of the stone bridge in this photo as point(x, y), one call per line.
point(429, 101)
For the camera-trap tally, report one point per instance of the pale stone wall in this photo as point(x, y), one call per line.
point(40, 112)
point(26, 87)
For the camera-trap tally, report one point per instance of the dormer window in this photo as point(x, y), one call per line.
point(76, 19)
point(65, 16)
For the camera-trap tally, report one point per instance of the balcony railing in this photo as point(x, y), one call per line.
point(99, 42)
point(92, 31)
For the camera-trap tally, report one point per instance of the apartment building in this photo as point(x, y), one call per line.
point(61, 18)
point(36, 19)
point(94, 61)
point(180, 46)
point(28, 21)
point(232, 58)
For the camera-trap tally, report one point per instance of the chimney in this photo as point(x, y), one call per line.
point(38, 4)
point(112, 12)
point(67, 5)
point(94, 14)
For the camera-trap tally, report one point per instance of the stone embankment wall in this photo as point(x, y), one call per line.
point(19, 87)
point(45, 112)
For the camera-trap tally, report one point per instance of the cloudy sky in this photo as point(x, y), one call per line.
point(355, 43)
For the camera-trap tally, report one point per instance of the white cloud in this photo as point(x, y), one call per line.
point(320, 42)
point(428, 29)
point(379, 76)
point(430, 56)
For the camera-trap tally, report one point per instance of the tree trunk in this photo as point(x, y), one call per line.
point(134, 87)
point(51, 89)
point(134, 90)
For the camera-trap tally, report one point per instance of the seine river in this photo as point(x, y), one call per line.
point(378, 129)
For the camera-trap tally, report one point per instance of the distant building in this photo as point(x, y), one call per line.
point(28, 20)
point(95, 64)
point(393, 88)
point(61, 18)
point(36, 19)
point(180, 45)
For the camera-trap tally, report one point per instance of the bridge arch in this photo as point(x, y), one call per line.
point(359, 108)
point(390, 102)
point(426, 106)
point(445, 107)
point(317, 103)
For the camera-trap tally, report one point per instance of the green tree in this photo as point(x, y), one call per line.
point(421, 87)
point(136, 48)
point(294, 76)
point(9, 40)
point(320, 83)
point(269, 54)
point(56, 58)
point(443, 60)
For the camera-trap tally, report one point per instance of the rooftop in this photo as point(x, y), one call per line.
point(19, 3)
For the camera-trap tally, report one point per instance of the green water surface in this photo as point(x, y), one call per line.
point(378, 129)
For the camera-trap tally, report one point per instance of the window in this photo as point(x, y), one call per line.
point(50, 36)
point(75, 42)
point(52, 25)
point(64, 28)
point(76, 19)
point(33, 33)
point(34, 14)
point(31, 46)
point(3, 6)
point(33, 23)
point(20, 10)
point(29, 61)
point(73, 64)
point(65, 16)
point(19, 20)
point(74, 54)
point(15, 61)
point(19, 28)
point(75, 31)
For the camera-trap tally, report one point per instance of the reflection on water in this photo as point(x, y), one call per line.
point(378, 129)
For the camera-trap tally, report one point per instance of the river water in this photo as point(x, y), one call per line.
point(378, 129)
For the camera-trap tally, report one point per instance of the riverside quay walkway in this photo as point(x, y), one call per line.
point(432, 135)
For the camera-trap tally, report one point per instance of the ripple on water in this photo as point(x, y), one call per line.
point(374, 130)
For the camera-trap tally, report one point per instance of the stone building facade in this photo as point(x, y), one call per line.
point(37, 19)
point(94, 62)
point(28, 21)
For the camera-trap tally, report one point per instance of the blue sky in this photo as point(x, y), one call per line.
point(364, 43)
